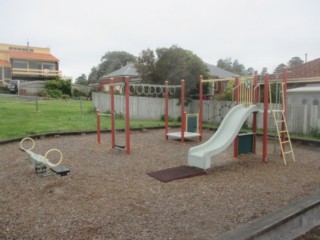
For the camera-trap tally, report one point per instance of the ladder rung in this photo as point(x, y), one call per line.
point(287, 152)
point(283, 131)
point(277, 110)
point(280, 121)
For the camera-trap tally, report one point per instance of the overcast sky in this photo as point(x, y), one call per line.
point(259, 33)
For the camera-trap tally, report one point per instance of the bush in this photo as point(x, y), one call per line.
point(59, 84)
point(43, 93)
point(55, 93)
point(65, 96)
point(77, 93)
point(4, 89)
point(315, 132)
point(163, 118)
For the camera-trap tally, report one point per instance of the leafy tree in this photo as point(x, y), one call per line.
point(238, 68)
point(234, 66)
point(225, 64)
point(264, 71)
point(82, 80)
point(94, 75)
point(249, 71)
point(176, 63)
point(295, 61)
point(145, 65)
point(172, 64)
point(279, 68)
point(110, 62)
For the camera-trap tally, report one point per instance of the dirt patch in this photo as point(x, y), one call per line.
point(108, 194)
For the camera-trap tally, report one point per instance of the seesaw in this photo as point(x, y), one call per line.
point(42, 163)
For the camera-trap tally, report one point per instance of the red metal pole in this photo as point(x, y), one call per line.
point(98, 125)
point(236, 99)
point(113, 135)
point(265, 118)
point(200, 106)
point(254, 120)
point(236, 90)
point(128, 148)
point(284, 105)
point(166, 109)
point(182, 112)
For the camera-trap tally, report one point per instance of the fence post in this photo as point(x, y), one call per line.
point(98, 125)
point(81, 105)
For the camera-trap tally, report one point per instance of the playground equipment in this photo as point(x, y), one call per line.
point(42, 163)
point(200, 156)
point(246, 98)
point(190, 123)
point(279, 116)
point(127, 146)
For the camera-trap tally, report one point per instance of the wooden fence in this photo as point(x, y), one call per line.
point(300, 118)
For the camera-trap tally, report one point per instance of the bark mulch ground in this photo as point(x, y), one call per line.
point(108, 194)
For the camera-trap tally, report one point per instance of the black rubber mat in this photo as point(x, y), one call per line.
point(170, 174)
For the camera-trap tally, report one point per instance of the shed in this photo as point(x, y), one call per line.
point(303, 108)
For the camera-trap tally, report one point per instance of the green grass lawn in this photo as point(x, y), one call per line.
point(23, 117)
point(19, 118)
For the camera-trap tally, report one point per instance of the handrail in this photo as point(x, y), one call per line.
point(30, 71)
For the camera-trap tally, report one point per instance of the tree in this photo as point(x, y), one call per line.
point(145, 66)
point(82, 80)
point(279, 68)
point(110, 62)
point(94, 75)
point(225, 64)
point(264, 71)
point(172, 64)
point(295, 61)
point(234, 66)
point(175, 63)
point(249, 71)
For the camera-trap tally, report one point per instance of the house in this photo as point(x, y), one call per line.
point(219, 73)
point(27, 63)
point(302, 75)
point(117, 76)
point(130, 71)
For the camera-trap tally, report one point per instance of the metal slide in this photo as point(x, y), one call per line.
point(200, 156)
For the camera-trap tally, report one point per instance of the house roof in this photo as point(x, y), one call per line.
point(306, 70)
point(219, 72)
point(128, 70)
point(4, 63)
point(33, 56)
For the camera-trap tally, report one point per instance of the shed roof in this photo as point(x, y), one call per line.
point(309, 88)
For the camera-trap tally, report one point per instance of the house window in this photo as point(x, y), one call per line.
point(35, 65)
point(19, 64)
point(7, 73)
point(49, 66)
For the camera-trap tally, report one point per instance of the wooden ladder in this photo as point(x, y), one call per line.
point(283, 134)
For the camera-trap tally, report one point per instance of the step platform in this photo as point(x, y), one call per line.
point(61, 170)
